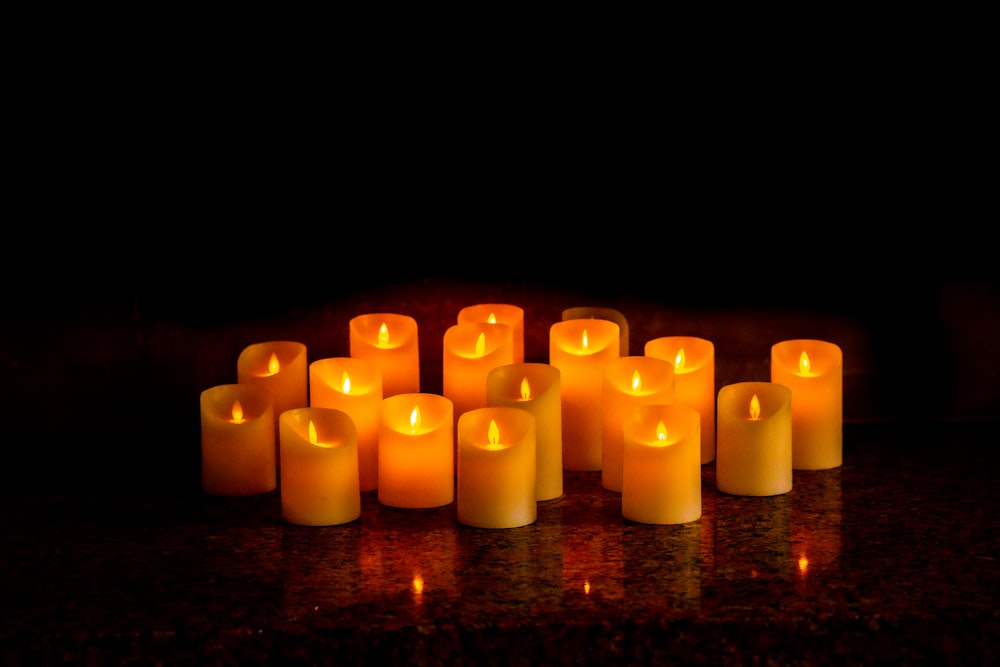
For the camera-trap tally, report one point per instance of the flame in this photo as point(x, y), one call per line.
point(805, 367)
point(586, 587)
point(636, 381)
point(345, 382)
point(493, 436)
point(312, 432)
point(803, 564)
point(272, 365)
point(755, 408)
point(584, 342)
point(680, 360)
point(383, 335)
point(415, 419)
point(661, 431)
point(237, 413)
point(492, 319)
point(481, 344)
point(525, 388)
point(418, 584)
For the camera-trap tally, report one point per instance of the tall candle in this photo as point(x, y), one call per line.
point(281, 367)
point(237, 440)
point(390, 340)
point(754, 439)
point(319, 467)
point(499, 313)
point(611, 314)
point(581, 349)
point(813, 370)
point(416, 463)
point(471, 351)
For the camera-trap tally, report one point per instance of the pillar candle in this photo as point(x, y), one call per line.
point(237, 440)
point(661, 474)
point(611, 314)
point(416, 462)
point(496, 468)
point(471, 351)
point(536, 388)
point(580, 349)
point(754, 439)
point(281, 367)
point(319, 467)
point(694, 380)
point(502, 313)
point(813, 370)
point(628, 383)
point(390, 341)
point(355, 386)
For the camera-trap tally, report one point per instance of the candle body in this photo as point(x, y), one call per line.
point(817, 400)
point(754, 456)
point(544, 402)
point(416, 463)
point(289, 385)
point(661, 479)
point(319, 482)
point(464, 369)
point(237, 459)
point(611, 314)
point(503, 313)
point(396, 354)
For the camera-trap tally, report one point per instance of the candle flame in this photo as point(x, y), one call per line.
point(803, 564)
point(586, 587)
point(237, 412)
point(418, 584)
point(383, 335)
point(481, 344)
point(493, 436)
point(804, 364)
point(345, 382)
point(636, 381)
point(312, 432)
point(584, 342)
point(661, 431)
point(414, 419)
point(492, 319)
point(680, 360)
point(272, 365)
point(755, 408)
point(525, 388)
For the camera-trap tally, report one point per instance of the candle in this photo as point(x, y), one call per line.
point(580, 349)
point(754, 439)
point(694, 380)
point(354, 386)
point(390, 341)
point(536, 388)
point(319, 467)
point(628, 383)
point(416, 462)
point(281, 367)
point(471, 351)
point(813, 370)
point(496, 468)
point(502, 313)
point(237, 440)
point(611, 314)
point(661, 474)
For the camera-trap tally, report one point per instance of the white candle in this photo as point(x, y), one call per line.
point(611, 314)
point(390, 340)
point(471, 351)
point(416, 463)
point(237, 440)
point(499, 313)
point(281, 367)
point(754, 439)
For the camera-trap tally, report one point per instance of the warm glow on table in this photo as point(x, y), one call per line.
point(416, 451)
point(499, 313)
point(754, 439)
point(237, 440)
point(281, 367)
point(610, 314)
point(390, 340)
point(471, 351)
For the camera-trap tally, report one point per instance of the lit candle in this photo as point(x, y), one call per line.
point(416, 462)
point(661, 475)
point(319, 467)
point(628, 383)
point(813, 370)
point(535, 388)
point(355, 386)
point(471, 351)
point(389, 340)
point(496, 468)
point(694, 380)
point(610, 314)
point(237, 440)
point(502, 313)
point(581, 349)
point(754, 439)
point(281, 367)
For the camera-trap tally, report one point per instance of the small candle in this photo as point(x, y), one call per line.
point(471, 351)
point(496, 468)
point(389, 340)
point(416, 462)
point(354, 386)
point(499, 313)
point(628, 383)
point(237, 440)
point(281, 367)
point(661, 475)
point(610, 314)
point(754, 439)
point(536, 388)
point(813, 370)
point(319, 467)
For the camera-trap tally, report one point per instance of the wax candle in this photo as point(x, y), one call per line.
point(281, 367)
point(661, 474)
point(754, 439)
point(534, 387)
point(319, 467)
point(390, 340)
point(471, 351)
point(813, 370)
point(237, 440)
point(496, 468)
point(628, 383)
point(354, 386)
point(502, 313)
point(611, 314)
point(416, 462)
point(581, 349)
point(694, 380)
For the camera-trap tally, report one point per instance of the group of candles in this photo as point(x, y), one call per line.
point(498, 438)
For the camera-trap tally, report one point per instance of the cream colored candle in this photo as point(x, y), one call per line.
point(319, 467)
point(534, 387)
point(611, 314)
point(813, 370)
point(694, 380)
point(661, 474)
point(391, 341)
point(471, 351)
point(581, 349)
point(281, 367)
point(416, 462)
point(237, 440)
point(628, 383)
point(496, 468)
point(499, 313)
point(355, 386)
point(754, 439)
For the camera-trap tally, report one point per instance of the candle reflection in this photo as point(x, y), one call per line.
point(816, 522)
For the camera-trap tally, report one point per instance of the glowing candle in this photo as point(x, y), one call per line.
point(610, 314)
point(390, 341)
point(813, 370)
point(496, 468)
point(354, 386)
point(694, 380)
point(581, 349)
point(502, 313)
point(535, 388)
point(319, 467)
point(281, 367)
point(471, 351)
point(237, 440)
point(754, 439)
point(416, 462)
point(628, 383)
point(661, 474)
